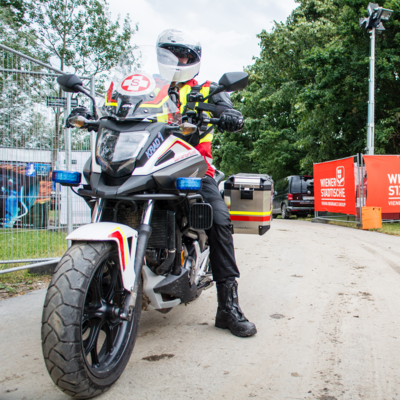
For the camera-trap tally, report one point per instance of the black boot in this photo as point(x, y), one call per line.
point(229, 315)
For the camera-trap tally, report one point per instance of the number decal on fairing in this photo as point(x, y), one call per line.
point(155, 145)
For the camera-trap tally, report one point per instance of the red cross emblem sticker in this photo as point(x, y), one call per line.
point(135, 83)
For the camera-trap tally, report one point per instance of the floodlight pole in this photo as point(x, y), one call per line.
point(371, 98)
point(373, 23)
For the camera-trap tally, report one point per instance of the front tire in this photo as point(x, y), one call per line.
point(85, 344)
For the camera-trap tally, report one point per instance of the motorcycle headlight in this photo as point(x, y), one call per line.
point(116, 152)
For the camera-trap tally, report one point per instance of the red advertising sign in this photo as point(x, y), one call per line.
point(383, 182)
point(334, 186)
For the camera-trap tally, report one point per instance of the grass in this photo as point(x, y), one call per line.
point(388, 228)
point(28, 244)
point(308, 218)
point(7, 281)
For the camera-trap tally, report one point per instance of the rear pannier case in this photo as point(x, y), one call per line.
point(249, 200)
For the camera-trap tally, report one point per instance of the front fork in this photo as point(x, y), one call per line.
point(144, 232)
point(98, 210)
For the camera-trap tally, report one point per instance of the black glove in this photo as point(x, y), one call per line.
point(82, 110)
point(231, 121)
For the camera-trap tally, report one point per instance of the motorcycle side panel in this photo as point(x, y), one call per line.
point(125, 238)
point(181, 151)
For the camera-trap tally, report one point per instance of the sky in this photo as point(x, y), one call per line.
point(226, 29)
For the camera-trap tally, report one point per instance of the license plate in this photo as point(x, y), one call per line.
point(308, 198)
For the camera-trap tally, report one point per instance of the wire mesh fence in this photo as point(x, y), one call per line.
point(33, 210)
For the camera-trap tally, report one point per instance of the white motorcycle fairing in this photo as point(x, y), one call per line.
point(150, 280)
point(124, 236)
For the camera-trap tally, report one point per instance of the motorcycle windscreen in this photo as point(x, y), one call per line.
point(140, 86)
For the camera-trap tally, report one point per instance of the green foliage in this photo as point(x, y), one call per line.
point(307, 96)
point(81, 34)
point(16, 34)
point(17, 10)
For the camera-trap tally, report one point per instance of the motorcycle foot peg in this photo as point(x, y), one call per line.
point(206, 284)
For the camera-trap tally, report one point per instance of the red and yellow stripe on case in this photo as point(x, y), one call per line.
point(250, 216)
point(122, 245)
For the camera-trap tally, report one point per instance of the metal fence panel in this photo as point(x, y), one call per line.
point(33, 220)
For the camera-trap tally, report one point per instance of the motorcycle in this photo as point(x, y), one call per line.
point(146, 246)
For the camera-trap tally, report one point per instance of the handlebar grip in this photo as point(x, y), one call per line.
point(214, 121)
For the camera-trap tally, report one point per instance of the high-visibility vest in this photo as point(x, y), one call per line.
point(204, 146)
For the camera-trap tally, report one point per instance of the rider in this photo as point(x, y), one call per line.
point(222, 253)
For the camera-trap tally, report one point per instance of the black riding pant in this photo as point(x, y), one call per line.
point(222, 252)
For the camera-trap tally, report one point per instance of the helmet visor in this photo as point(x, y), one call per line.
point(184, 54)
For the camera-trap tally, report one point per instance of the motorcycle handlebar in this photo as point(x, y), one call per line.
point(214, 121)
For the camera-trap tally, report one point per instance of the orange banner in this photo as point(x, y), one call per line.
point(383, 182)
point(334, 186)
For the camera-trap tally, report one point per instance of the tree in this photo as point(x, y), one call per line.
point(17, 10)
point(307, 96)
point(81, 35)
point(16, 33)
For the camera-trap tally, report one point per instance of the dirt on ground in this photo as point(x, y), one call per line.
point(8, 290)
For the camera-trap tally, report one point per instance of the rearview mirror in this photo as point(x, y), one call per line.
point(73, 84)
point(230, 82)
point(70, 83)
point(233, 81)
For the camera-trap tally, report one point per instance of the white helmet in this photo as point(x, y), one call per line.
point(183, 46)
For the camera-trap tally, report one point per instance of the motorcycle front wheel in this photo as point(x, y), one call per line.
point(86, 345)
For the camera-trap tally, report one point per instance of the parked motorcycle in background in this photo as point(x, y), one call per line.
point(147, 240)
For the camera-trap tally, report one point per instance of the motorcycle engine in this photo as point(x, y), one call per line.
point(160, 252)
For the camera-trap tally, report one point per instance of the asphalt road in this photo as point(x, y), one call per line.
point(336, 291)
